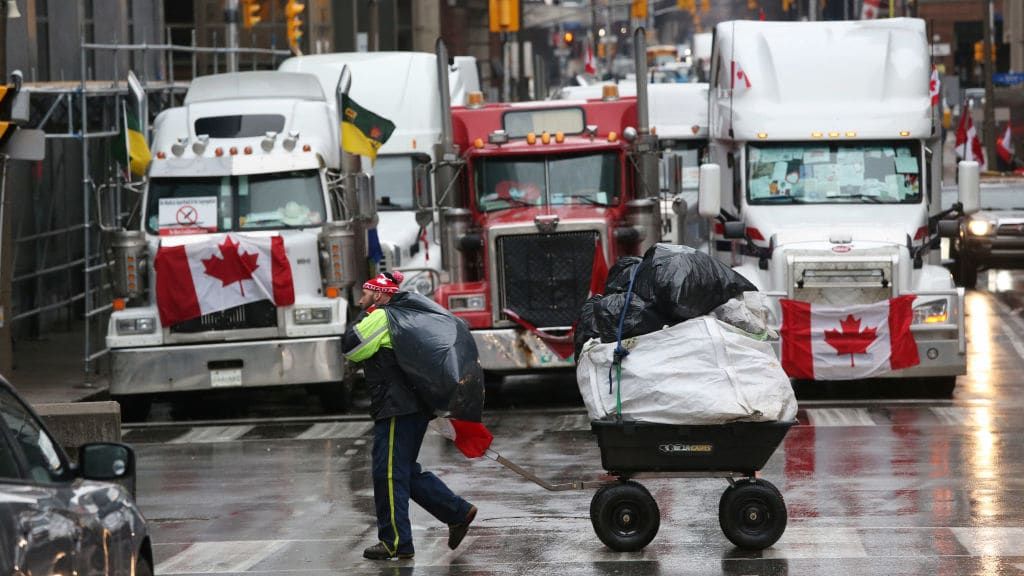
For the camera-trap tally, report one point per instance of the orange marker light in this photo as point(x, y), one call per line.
point(332, 292)
point(248, 149)
point(559, 137)
point(613, 137)
point(531, 138)
point(478, 143)
point(118, 304)
point(306, 148)
point(233, 151)
point(545, 137)
point(219, 152)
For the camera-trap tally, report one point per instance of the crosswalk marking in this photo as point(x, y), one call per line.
point(990, 540)
point(324, 430)
point(840, 417)
point(211, 434)
point(219, 557)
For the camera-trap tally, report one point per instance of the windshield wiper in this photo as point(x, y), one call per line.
point(780, 199)
point(585, 198)
point(872, 199)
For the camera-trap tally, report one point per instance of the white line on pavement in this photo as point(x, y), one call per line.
point(1018, 346)
point(990, 540)
point(839, 417)
point(326, 430)
point(209, 434)
point(219, 557)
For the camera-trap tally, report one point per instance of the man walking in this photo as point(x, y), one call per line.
point(400, 422)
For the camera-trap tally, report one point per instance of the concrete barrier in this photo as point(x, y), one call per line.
point(76, 423)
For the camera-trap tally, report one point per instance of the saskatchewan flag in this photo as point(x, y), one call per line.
point(362, 131)
point(131, 149)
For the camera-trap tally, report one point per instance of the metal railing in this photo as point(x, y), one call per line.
point(86, 111)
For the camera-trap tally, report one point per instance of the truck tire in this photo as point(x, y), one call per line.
point(752, 514)
point(968, 271)
point(134, 407)
point(625, 516)
point(335, 397)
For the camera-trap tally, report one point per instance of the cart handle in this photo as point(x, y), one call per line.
point(563, 487)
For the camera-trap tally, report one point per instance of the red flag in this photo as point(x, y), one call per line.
point(471, 438)
point(934, 86)
point(599, 270)
point(1004, 146)
point(588, 65)
point(846, 343)
point(220, 273)
point(869, 10)
point(968, 145)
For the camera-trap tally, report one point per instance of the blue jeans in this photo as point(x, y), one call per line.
point(397, 477)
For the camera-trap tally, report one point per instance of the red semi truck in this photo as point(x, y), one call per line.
point(527, 195)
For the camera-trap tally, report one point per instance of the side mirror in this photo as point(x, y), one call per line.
point(709, 198)
point(735, 230)
point(675, 174)
point(949, 228)
point(422, 193)
point(109, 462)
point(969, 186)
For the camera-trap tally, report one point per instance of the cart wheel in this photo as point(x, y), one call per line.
point(752, 514)
point(625, 516)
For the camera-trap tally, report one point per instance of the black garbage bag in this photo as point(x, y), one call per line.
point(618, 275)
point(436, 351)
point(586, 325)
point(684, 283)
point(642, 317)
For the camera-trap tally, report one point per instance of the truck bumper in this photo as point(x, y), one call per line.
point(514, 350)
point(1001, 251)
point(238, 364)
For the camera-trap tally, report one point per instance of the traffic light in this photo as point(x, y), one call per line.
point(786, 5)
point(6, 126)
point(568, 37)
point(504, 15)
point(638, 11)
point(292, 9)
point(688, 5)
point(251, 13)
point(705, 6)
point(979, 51)
point(752, 5)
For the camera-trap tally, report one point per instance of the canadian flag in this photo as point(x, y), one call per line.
point(471, 438)
point(847, 343)
point(934, 86)
point(968, 145)
point(740, 82)
point(598, 270)
point(1004, 146)
point(588, 64)
point(220, 273)
point(870, 9)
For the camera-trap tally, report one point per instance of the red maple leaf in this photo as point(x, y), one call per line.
point(233, 267)
point(851, 340)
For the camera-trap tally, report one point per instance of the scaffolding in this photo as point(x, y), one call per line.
point(69, 273)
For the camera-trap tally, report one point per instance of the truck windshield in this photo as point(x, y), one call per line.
point(229, 203)
point(834, 173)
point(394, 180)
point(589, 179)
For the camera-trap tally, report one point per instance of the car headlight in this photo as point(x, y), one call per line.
point(420, 284)
point(312, 315)
point(136, 326)
point(467, 303)
point(931, 312)
point(979, 227)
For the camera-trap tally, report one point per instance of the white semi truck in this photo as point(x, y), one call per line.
point(248, 155)
point(402, 87)
point(824, 175)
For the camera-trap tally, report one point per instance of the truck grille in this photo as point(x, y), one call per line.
point(545, 278)
point(261, 314)
point(1011, 230)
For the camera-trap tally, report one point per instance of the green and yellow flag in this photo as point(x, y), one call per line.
point(362, 131)
point(131, 150)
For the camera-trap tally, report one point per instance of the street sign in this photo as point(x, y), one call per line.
point(1008, 78)
point(941, 49)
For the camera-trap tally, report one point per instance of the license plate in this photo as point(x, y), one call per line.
point(226, 378)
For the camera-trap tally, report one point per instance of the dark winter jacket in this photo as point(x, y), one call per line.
point(369, 341)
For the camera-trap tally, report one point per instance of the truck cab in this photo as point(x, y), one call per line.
point(254, 155)
point(828, 172)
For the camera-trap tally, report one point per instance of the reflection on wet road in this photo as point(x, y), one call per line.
point(872, 487)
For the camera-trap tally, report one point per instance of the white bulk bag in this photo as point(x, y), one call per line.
point(701, 371)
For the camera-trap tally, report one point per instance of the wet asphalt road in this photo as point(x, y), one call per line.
point(872, 487)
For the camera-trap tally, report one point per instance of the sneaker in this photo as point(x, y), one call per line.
point(456, 532)
point(380, 552)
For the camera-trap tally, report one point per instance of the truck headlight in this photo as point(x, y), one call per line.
point(136, 326)
point(420, 284)
point(320, 315)
point(979, 227)
point(467, 303)
point(931, 312)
